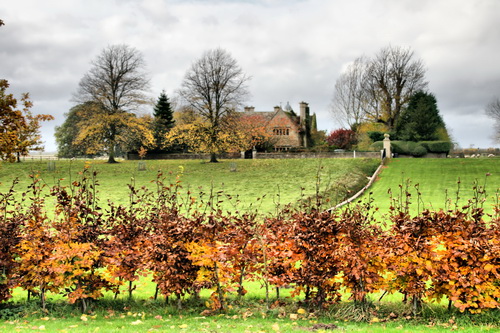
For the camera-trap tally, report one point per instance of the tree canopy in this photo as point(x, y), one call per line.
point(377, 89)
point(214, 87)
point(115, 85)
point(19, 128)
point(420, 120)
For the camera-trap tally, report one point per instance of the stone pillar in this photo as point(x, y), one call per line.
point(387, 146)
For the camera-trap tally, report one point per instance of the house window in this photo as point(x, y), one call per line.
point(281, 131)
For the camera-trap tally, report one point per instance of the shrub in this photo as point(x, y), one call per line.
point(342, 138)
point(408, 148)
point(375, 135)
point(419, 151)
point(377, 146)
point(437, 146)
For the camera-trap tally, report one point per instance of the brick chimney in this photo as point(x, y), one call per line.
point(249, 108)
point(277, 108)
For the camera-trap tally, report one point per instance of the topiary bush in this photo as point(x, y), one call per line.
point(408, 148)
point(419, 151)
point(437, 146)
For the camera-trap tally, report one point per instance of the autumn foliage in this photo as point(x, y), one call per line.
point(188, 243)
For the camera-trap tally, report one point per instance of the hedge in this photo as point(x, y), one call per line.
point(416, 149)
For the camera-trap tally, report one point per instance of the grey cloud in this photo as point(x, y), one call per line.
point(294, 50)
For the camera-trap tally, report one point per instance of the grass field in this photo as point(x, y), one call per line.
point(273, 181)
point(437, 181)
point(279, 181)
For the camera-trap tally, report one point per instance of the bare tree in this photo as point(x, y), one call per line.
point(214, 87)
point(350, 95)
point(394, 75)
point(493, 111)
point(117, 82)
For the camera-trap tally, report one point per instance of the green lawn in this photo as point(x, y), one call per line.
point(272, 181)
point(437, 181)
point(252, 179)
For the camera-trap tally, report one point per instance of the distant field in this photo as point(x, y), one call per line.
point(438, 181)
point(274, 181)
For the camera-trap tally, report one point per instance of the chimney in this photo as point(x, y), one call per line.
point(303, 108)
point(249, 108)
point(304, 113)
point(277, 108)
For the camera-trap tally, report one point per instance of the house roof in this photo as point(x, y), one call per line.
point(267, 116)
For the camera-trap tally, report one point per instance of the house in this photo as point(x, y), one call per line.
point(287, 129)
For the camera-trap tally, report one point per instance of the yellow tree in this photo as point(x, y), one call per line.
point(214, 87)
point(117, 83)
point(98, 130)
point(199, 136)
point(19, 128)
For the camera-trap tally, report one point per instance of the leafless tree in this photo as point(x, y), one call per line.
point(214, 86)
point(350, 94)
point(394, 75)
point(493, 111)
point(117, 82)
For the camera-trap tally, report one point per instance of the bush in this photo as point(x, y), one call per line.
point(408, 148)
point(419, 151)
point(437, 146)
point(375, 135)
point(342, 138)
point(377, 146)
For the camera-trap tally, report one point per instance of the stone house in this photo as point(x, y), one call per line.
point(287, 129)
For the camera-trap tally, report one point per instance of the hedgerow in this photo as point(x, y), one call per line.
point(187, 243)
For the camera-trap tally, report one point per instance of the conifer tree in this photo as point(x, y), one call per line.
point(163, 119)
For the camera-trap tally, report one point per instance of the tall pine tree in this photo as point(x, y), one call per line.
point(163, 119)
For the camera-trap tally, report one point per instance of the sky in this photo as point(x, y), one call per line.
point(293, 50)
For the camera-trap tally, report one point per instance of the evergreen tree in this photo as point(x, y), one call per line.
point(163, 119)
point(421, 120)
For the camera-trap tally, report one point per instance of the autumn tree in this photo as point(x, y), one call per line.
point(69, 130)
point(493, 111)
point(19, 129)
point(163, 119)
point(214, 87)
point(342, 138)
point(116, 84)
point(198, 136)
point(254, 133)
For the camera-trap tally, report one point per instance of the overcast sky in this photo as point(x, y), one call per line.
point(294, 50)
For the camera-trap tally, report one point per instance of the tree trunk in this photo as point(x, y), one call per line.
point(111, 154)
point(213, 158)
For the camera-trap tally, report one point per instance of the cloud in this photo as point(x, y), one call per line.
point(294, 50)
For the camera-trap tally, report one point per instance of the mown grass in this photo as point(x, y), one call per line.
point(253, 184)
point(442, 183)
point(143, 314)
